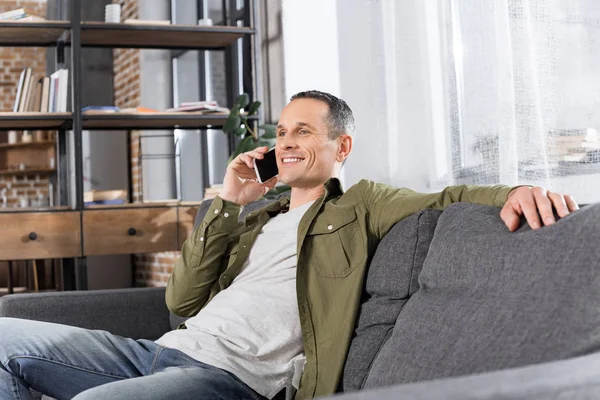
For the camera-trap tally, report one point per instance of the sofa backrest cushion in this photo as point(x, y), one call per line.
point(391, 279)
point(491, 299)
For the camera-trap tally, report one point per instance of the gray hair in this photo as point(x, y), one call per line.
point(340, 118)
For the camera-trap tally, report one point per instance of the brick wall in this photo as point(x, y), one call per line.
point(14, 59)
point(150, 269)
point(12, 62)
point(18, 186)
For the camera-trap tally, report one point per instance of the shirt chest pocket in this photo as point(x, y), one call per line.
point(334, 243)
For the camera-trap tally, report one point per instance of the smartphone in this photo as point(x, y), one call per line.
point(267, 167)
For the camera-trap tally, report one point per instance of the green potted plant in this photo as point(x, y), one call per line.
point(237, 124)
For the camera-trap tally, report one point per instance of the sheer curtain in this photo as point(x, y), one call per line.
point(482, 92)
point(523, 93)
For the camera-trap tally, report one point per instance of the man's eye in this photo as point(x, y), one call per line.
point(281, 133)
point(304, 132)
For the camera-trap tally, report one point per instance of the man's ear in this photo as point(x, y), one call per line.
point(344, 147)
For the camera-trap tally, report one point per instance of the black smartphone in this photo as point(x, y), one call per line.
point(267, 167)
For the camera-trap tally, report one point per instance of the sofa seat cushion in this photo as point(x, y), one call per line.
point(391, 279)
point(491, 299)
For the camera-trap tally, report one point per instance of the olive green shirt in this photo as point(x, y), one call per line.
point(337, 238)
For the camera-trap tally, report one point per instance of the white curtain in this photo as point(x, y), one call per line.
point(471, 91)
point(524, 85)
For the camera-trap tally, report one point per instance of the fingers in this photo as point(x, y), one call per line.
point(571, 203)
point(510, 217)
point(248, 157)
point(535, 203)
point(528, 205)
point(270, 184)
point(544, 206)
point(560, 204)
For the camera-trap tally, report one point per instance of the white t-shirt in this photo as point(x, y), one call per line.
point(252, 328)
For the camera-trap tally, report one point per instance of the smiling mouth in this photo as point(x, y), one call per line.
point(291, 160)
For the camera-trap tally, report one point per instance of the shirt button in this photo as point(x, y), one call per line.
point(202, 238)
point(226, 215)
point(330, 227)
point(216, 211)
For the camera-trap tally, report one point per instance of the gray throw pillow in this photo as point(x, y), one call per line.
point(491, 299)
point(390, 280)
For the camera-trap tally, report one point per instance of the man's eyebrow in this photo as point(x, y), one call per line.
point(309, 126)
point(301, 124)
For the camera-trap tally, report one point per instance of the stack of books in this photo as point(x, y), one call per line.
point(46, 94)
point(579, 146)
point(199, 106)
point(20, 15)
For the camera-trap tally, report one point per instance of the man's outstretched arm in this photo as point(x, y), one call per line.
point(388, 205)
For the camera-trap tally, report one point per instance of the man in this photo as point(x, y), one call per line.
point(273, 300)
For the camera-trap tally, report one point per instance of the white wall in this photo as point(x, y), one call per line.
point(310, 46)
point(343, 47)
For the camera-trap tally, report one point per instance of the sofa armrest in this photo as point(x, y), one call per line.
point(135, 313)
point(574, 379)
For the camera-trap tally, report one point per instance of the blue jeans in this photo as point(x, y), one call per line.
point(65, 362)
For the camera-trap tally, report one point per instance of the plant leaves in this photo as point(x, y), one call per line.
point(241, 131)
point(254, 107)
point(232, 124)
point(270, 131)
point(246, 144)
point(266, 142)
point(242, 101)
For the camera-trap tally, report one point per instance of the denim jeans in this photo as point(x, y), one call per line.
point(65, 362)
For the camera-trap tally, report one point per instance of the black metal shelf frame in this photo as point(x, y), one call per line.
point(241, 76)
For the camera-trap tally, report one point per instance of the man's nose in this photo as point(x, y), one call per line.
point(287, 142)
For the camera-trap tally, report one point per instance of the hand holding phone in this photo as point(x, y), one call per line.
point(267, 167)
point(241, 184)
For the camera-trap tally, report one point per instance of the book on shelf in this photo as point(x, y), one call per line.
point(45, 94)
point(147, 22)
point(19, 90)
point(20, 15)
point(204, 106)
point(59, 84)
point(24, 89)
point(99, 109)
point(139, 110)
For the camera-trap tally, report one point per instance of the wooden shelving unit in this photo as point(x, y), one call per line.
point(102, 34)
point(34, 120)
point(170, 120)
point(45, 34)
point(44, 143)
point(31, 171)
point(34, 210)
point(69, 38)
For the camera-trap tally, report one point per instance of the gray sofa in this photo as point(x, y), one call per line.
point(454, 307)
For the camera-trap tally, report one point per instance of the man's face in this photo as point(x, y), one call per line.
point(306, 157)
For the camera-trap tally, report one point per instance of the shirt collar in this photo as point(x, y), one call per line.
point(333, 189)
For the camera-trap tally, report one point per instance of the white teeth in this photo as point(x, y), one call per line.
point(291, 160)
